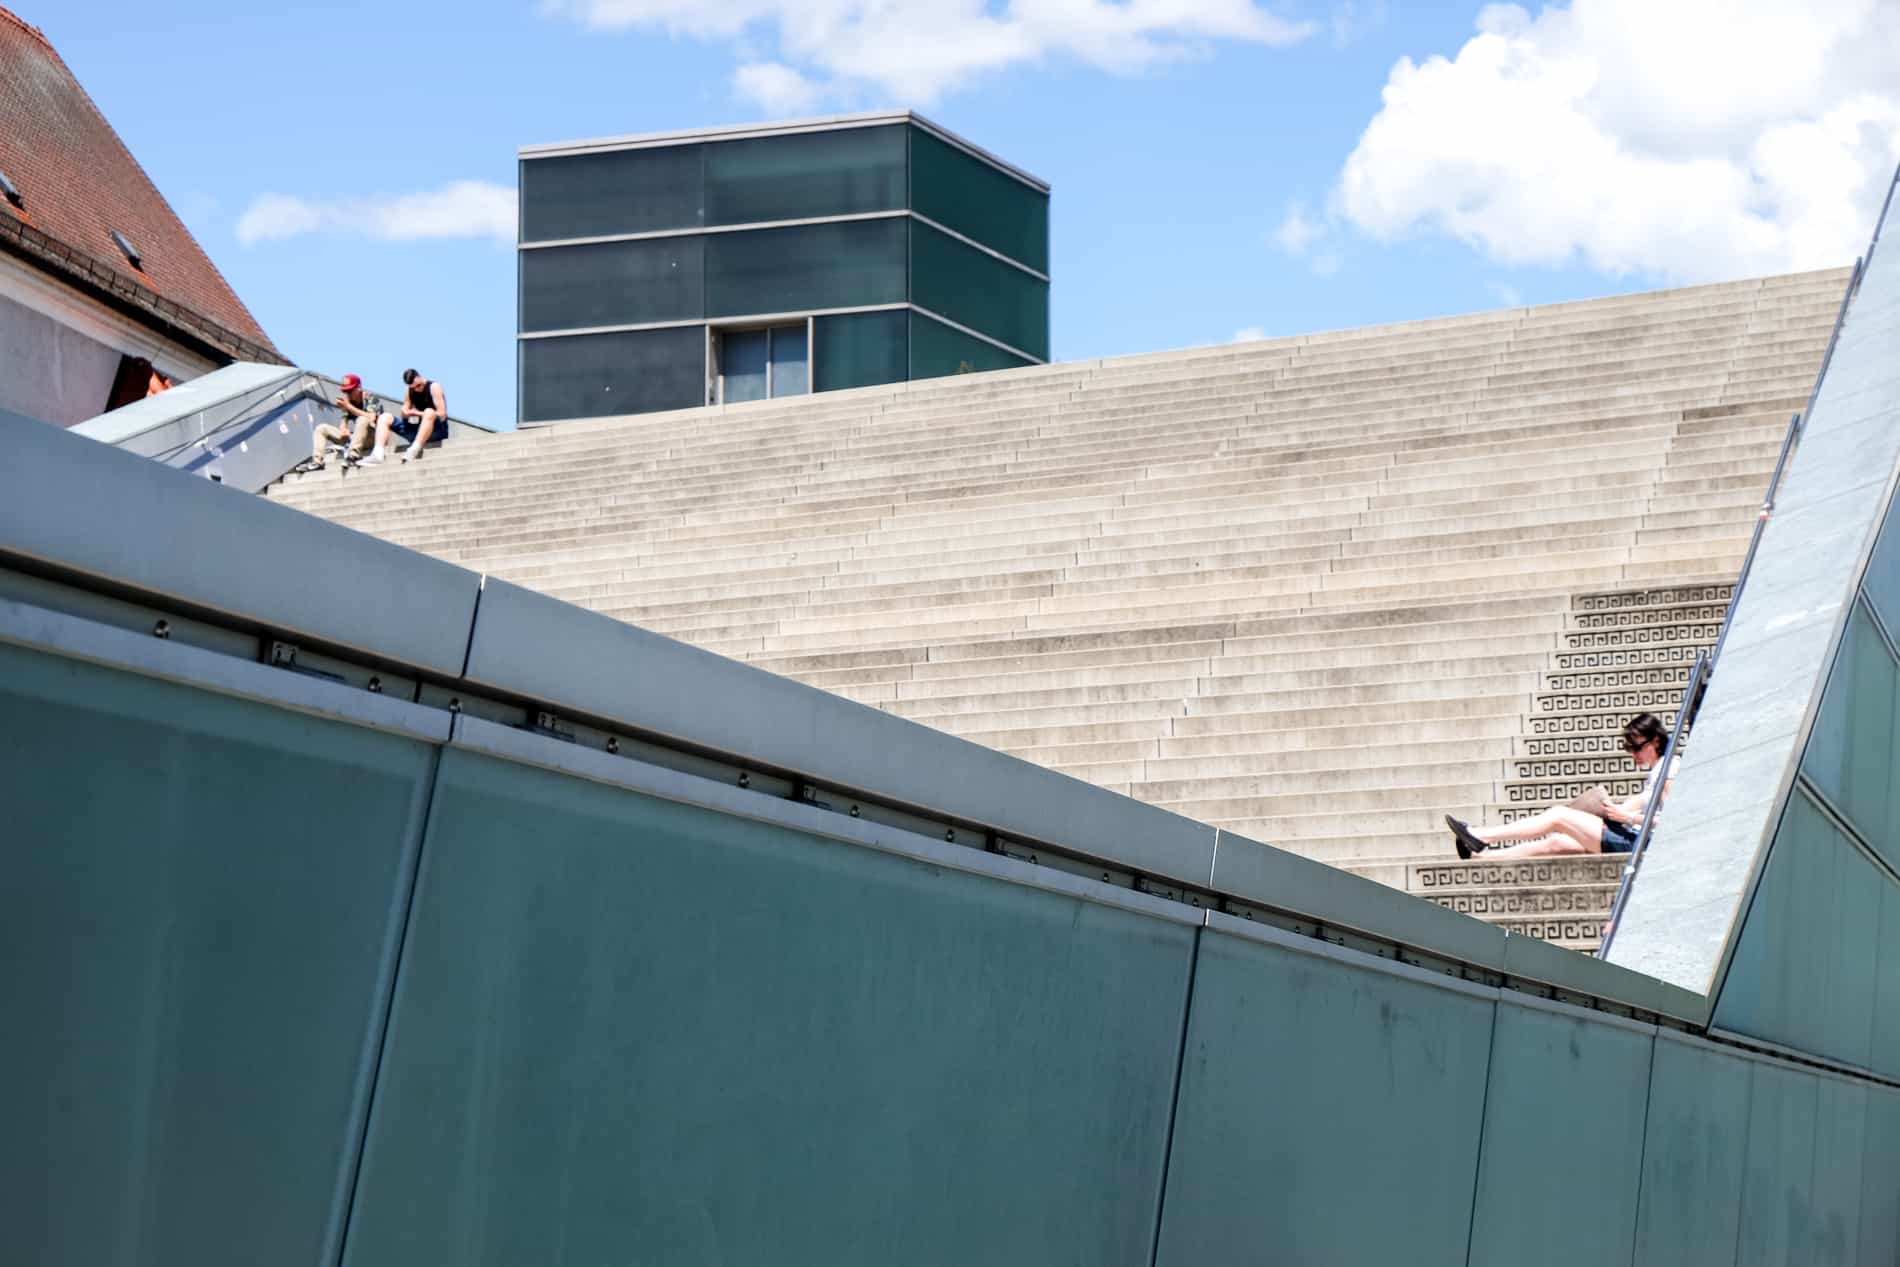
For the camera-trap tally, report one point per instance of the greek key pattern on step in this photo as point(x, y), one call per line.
point(1632, 657)
point(1668, 596)
point(1431, 878)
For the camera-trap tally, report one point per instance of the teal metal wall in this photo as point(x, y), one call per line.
point(299, 969)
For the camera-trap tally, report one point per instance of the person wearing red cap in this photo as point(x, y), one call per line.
point(362, 413)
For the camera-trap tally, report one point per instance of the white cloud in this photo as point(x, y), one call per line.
point(1248, 334)
point(775, 88)
point(1296, 232)
point(915, 51)
point(1304, 238)
point(461, 209)
point(1507, 295)
point(1689, 141)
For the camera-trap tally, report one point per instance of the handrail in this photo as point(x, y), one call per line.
point(1691, 697)
point(1882, 221)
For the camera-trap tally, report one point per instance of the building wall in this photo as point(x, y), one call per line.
point(59, 351)
point(49, 371)
point(302, 972)
point(644, 256)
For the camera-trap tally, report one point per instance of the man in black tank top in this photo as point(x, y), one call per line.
point(423, 406)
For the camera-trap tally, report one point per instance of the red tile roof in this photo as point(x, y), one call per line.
point(78, 183)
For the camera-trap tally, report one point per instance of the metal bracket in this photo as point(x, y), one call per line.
point(552, 726)
point(283, 655)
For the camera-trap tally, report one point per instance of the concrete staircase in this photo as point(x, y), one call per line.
point(1319, 590)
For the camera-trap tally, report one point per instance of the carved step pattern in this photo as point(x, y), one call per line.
point(1621, 653)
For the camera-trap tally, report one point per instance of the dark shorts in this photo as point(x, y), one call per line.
point(407, 428)
point(1618, 837)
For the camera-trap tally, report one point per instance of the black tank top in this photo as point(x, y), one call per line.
point(419, 396)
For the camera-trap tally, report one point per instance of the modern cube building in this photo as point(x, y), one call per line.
point(728, 264)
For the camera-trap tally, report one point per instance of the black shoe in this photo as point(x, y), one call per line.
point(1467, 843)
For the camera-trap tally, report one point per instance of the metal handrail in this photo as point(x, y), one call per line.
point(1691, 697)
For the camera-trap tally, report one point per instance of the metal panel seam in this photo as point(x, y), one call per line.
point(1174, 1100)
point(1484, 1112)
point(632, 775)
point(75, 638)
point(1318, 949)
point(1649, 1098)
point(343, 1204)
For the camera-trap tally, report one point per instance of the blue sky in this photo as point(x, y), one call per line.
point(1219, 167)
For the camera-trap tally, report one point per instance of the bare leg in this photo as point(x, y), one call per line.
point(1585, 829)
point(423, 431)
point(383, 423)
point(1554, 844)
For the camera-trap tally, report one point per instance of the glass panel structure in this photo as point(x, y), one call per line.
point(962, 192)
point(845, 264)
point(936, 350)
point(625, 372)
point(742, 366)
point(791, 362)
point(804, 176)
point(905, 252)
point(625, 191)
point(979, 291)
point(612, 283)
point(860, 349)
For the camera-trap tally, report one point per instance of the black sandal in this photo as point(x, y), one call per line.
point(1461, 835)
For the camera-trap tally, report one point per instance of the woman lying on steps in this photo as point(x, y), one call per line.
point(1593, 823)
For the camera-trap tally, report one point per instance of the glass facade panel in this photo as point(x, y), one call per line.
point(791, 366)
point(1850, 756)
point(936, 350)
point(627, 372)
point(742, 363)
point(802, 177)
point(848, 265)
point(979, 291)
point(860, 349)
point(1882, 582)
point(629, 191)
point(612, 283)
point(964, 193)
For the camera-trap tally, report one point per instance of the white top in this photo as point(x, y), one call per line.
point(1650, 783)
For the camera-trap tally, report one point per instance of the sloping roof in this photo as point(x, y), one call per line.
point(79, 183)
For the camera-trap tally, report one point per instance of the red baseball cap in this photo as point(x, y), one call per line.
point(351, 382)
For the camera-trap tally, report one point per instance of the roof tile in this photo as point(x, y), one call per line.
point(78, 183)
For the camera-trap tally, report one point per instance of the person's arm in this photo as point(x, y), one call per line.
point(441, 401)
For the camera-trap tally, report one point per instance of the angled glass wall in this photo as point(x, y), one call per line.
point(1817, 965)
point(650, 268)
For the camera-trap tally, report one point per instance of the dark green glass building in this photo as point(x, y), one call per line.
point(727, 264)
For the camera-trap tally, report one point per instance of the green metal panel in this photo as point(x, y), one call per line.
point(1840, 1144)
point(199, 899)
point(1803, 972)
point(849, 264)
point(1879, 1241)
point(1778, 1167)
point(1563, 1114)
point(1328, 1113)
point(1693, 1148)
point(979, 291)
point(1850, 755)
point(845, 171)
point(860, 349)
point(937, 350)
point(1883, 1052)
point(628, 1030)
point(964, 193)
